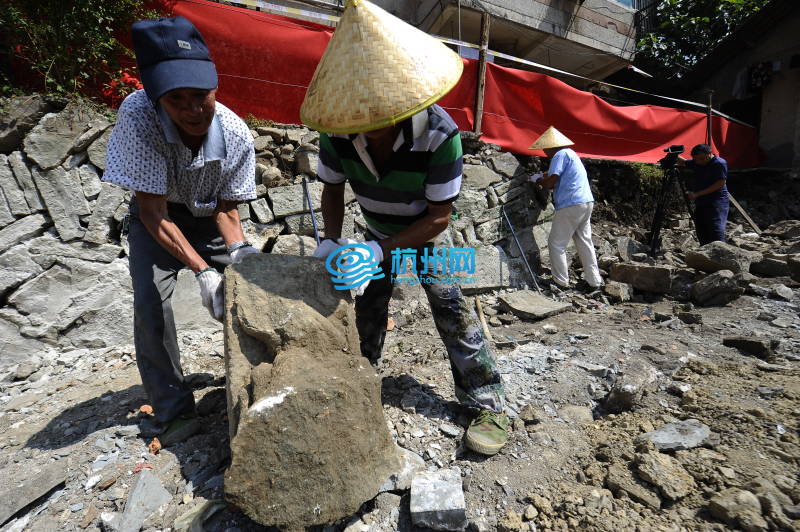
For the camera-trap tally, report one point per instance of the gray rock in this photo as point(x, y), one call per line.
point(306, 160)
point(111, 197)
point(410, 464)
point(738, 507)
point(301, 246)
point(244, 211)
point(302, 224)
point(633, 381)
point(771, 265)
point(717, 289)
point(478, 176)
point(11, 190)
point(491, 232)
point(20, 116)
point(717, 256)
point(49, 143)
point(46, 249)
point(793, 265)
point(506, 164)
point(36, 482)
point(618, 292)
point(627, 247)
point(686, 434)
point(762, 348)
point(17, 266)
point(262, 211)
point(97, 151)
point(190, 314)
point(437, 500)
point(470, 204)
point(656, 279)
point(146, 498)
point(96, 128)
point(665, 473)
point(620, 479)
point(63, 196)
point(16, 349)
point(785, 229)
point(23, 229)
point(780, 291)
point(5, 213)
point(291, 199)
point(23, 175)
point(531, 305)
point(492, 271)
point(270, 174)
point(309, 439)
point(90, 181)
point(72, 288)
point(260, 234)
point(579, 414)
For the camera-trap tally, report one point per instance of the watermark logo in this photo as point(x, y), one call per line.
point(352, 265)
point(438, 266)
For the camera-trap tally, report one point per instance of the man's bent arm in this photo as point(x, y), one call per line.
point(549, 181)
point(333, 210)
point(421, 231)
point(228, 223)
point(153, 214)
point(716, 185)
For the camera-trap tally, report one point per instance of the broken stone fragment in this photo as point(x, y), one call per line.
point(636, 379)
point(717, 256)
point(686, 434)
point(437, 500)
point(718, 289)
point(737, 507)
point(666, 473)
point(763, 348)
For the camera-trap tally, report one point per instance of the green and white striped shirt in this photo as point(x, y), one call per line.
point(425, 168)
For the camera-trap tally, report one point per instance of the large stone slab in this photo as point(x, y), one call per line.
point(21, 230)
point(63, 196)
point(717, 289)
point(49, 143)
point(97, 151)
point(309, 442)
point(292, 200)
point(20, 116)
point(101, 220)
point(657, 279)
point(479, 177)
point(46, 249)
point(23, 175)
point(470, 204)
point(17, 266)
point(11, 189)
point(69, 290)
point(532, 305)
point(492, 271)
point(146, 497)
point(506, 164)
point(37, 482)
point(717, 256)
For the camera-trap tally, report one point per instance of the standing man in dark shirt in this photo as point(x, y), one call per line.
point(710, 195)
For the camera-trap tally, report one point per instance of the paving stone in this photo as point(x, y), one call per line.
point(528, 304)
point(437, 500)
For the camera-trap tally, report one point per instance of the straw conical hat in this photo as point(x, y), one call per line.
point(376, 71)
point(552, 138)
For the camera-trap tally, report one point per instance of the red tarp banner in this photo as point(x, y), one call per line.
point(265, 63)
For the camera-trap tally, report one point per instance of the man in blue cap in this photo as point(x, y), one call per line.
point(189, 161)
point(710, 194)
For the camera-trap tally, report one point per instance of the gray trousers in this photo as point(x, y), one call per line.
point(154, 273)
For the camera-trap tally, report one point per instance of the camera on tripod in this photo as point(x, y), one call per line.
point(668, 162)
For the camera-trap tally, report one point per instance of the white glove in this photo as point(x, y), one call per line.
point(211, 292)
point(237, 255)
point(376, 256)
point(536, 177)
point(325, 248)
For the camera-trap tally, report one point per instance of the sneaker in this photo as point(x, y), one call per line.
point(178, 430)
point(487, 433)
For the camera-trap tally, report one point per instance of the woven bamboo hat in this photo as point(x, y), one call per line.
point(376, 71)
point(552, 138)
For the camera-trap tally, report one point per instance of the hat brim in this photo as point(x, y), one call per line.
point(165, 76)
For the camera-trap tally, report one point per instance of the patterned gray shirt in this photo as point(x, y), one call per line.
point(145, 153)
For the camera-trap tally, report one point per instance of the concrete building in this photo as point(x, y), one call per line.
point(755, 76)
point(593, 38)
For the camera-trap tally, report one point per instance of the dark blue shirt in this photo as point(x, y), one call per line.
point(705, 176)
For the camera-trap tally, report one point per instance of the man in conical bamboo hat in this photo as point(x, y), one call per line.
point(573, 202)
point(373, 100)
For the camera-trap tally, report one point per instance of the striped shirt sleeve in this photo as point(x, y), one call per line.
point(329, 169)
point(443, 181)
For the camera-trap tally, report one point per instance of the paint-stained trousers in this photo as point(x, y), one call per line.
point(154, 273)
point(475, 375)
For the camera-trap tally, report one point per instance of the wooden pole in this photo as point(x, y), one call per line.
point(485, 19)
point(743, 213)
point(709, 117)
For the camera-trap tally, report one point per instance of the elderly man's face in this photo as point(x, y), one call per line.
point(192, 110)
point(702, 158)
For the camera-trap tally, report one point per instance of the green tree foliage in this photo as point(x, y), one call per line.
point(687, 30)
point(69, 46)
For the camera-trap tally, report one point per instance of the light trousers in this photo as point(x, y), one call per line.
point(574, 223)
